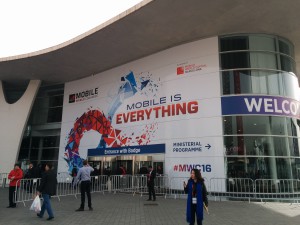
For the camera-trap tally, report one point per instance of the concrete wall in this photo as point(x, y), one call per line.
point(13, 119)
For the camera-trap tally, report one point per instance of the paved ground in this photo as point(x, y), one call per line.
point(125, 209)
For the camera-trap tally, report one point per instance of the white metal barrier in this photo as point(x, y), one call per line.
point(161, 184)
point(25, 190)
point(4, 180)
point(229, 188)
point(241, 188)
point(260, 189)
point(66, 187)
point(176, 188)
point(140, 184)
point(99, 183)
point(137, 184)
point(275, 189)
point(122, 183)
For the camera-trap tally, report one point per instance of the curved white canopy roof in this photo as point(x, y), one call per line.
point(149, 27)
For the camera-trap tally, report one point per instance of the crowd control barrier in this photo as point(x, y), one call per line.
point(218, 188)
point(66, 186)
point(176, 187)
point(275, 189)
point(100, 184)
point(161, 185)
point(255, 190)
point(4, 180)
point(123, 183)
point(238, 188)
point(26, 189)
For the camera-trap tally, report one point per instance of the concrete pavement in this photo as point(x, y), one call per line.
point(125, 209)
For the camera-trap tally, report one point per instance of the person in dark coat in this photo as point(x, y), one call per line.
point(47, 188)
point(160, 171)
point(197, 197)
point(143, 170)
point(74, 174)
point(150, 183)
point(31, 173)
point(107, 171)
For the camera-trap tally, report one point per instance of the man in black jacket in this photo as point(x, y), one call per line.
point(30, 174)
point(150, 182)
point(48, 189)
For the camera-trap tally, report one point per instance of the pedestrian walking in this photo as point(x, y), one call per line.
point(197, 197)
point(14, 176)
point(47, 188)
point(84, 175)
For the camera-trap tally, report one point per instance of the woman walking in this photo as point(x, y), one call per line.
point(197, 197)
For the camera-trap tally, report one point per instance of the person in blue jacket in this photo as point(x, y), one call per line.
point(197, 196)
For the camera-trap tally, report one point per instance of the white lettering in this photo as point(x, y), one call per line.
point(284, 102)
point(253, 104)
point(276, 107)
point(293, 108)
point(106, 152)
point(268, 105)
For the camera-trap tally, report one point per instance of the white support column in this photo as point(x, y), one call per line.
point(13, 119)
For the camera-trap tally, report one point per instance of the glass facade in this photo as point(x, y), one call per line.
point(41, 138)
point(259, 146)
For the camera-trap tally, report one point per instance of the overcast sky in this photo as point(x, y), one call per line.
point(32, 25)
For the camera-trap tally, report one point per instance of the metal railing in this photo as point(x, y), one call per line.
point(255, 190)
point(239, 188)
point(100, 184)
point(25, 190)
point(218, 188)
point(176, 188)
point(275, 189)
point(66, 187)
point(161, 185)
point(4, 180)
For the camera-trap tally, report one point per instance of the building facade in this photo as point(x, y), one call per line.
point(227, 105)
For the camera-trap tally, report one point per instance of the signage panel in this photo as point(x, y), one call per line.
point(260, 105)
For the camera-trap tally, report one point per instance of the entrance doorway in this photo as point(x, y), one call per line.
point(97, 167)
point(125, 164)
point(131, 163)
point(159, 167)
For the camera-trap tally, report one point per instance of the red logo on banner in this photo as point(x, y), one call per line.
point(180, 70)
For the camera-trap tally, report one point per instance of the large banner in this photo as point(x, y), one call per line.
point(169, 102)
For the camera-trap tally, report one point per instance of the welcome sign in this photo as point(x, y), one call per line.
point(260, 105)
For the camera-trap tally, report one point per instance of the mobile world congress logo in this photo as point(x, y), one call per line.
point(186, 67)
point(83, 95)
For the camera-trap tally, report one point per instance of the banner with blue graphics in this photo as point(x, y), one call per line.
point(260, 105)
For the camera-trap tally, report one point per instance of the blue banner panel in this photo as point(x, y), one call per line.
point(128, 150)
point(260, 105)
